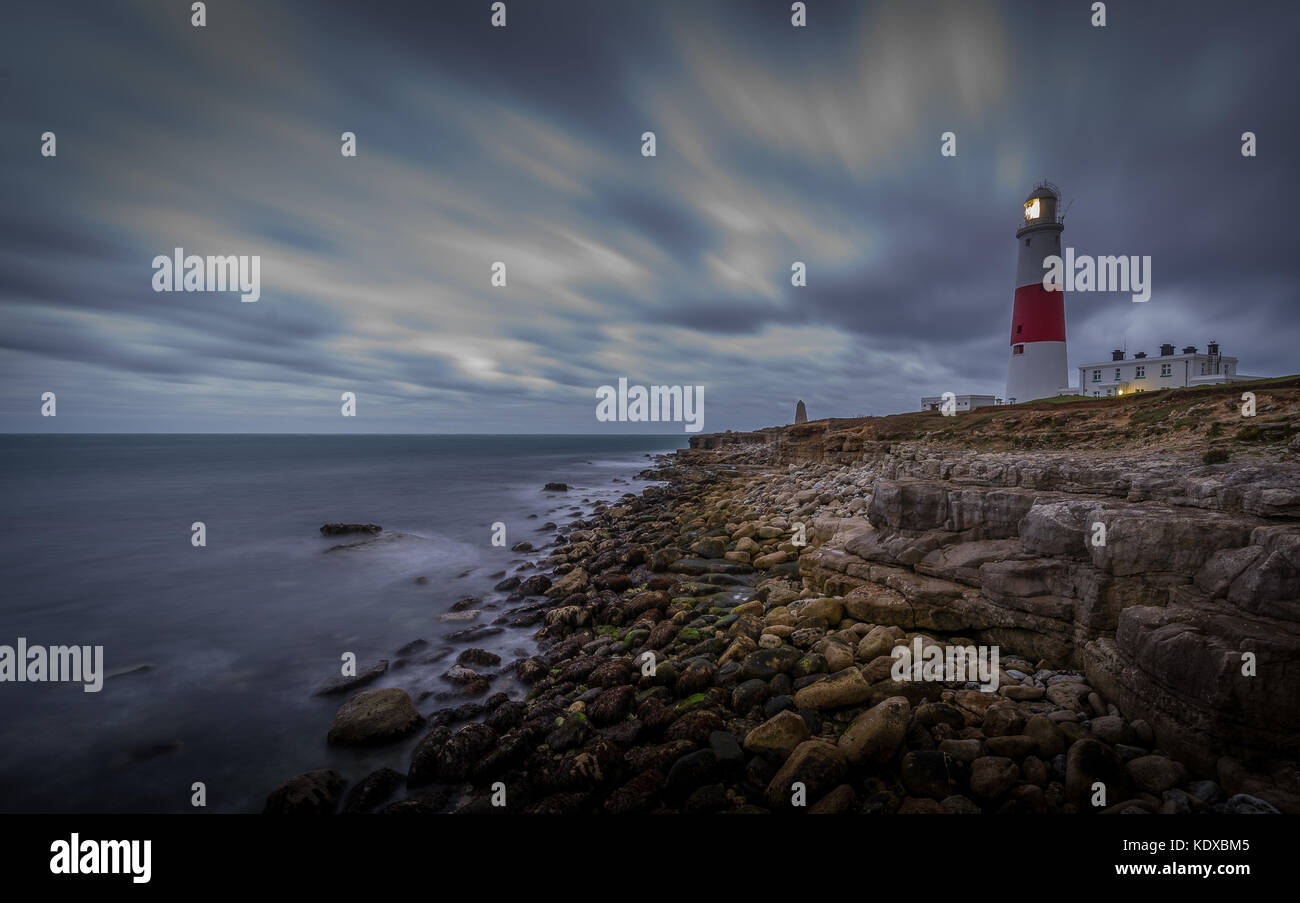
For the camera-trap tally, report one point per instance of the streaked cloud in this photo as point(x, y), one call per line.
point(775, 145)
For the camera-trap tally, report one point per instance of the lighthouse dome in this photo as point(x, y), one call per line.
point(1044, 189)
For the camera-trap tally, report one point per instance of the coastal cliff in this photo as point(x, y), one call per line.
point(1118, 552)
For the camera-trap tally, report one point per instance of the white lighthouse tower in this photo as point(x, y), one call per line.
point(1037, 366)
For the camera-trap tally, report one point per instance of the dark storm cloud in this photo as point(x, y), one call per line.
point(522, 145)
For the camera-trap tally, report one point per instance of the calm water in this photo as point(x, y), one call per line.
point(95, 550)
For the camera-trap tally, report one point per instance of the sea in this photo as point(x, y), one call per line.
point(212, 653)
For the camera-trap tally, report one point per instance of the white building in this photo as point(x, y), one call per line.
point(1123, 375)
point(962, 402)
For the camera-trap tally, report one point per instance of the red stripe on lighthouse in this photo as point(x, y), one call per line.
point(1037, 315)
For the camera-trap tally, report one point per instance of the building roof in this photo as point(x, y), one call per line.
point(1155, 360)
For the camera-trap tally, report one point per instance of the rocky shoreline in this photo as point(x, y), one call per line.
point(769, 599)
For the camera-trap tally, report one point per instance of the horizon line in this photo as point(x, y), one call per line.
point(354, 435)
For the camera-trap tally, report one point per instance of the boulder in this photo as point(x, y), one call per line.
point(374, 717)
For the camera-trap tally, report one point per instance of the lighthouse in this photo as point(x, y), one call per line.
point(1037, 367)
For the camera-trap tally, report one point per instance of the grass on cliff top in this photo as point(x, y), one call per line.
point(1159, 417)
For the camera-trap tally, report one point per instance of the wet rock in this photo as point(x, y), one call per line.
point(373, 789)
point(842, 689)
point(695, 726)
point(727, 750)
point(535, 585)
point(778, 735)
point(310, 793)
point(572, 731)
point(706, 800)
point(479, 657)
point(875, 735)
point(373, 717)
point(612, 705)
point(698, 675)
point(611, 673)
point(1014, 746)
point(461, 675)
point(748, 694)
point(1089, 762)
point(932, 713)
point(929, 773)
point(764, 664)
point(1111, 729)
point(531, 670)
point(660, 757)
point(816, 764)
point(1051, 742)
point(1003, 718)
point(343, 529)
point(506, 716)
point(641, 794)
point(960, 805)
point(1155, 774)
point(690, 771)
point(967, 750)
point(362, 677)
point(709, 547)
point(992, 776)
point(655, 716)
point(1245, 804)
point(458, 758)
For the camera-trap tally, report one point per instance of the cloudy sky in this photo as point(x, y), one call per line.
point(523, 145)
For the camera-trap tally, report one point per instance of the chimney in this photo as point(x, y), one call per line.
point(1117, 355)
point(1166, 350)
point(1141, 355)
point(1213, 348)
point(1190, 349)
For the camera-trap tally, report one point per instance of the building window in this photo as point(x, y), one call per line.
point(1202, 369)
point(1018, 349)
point(1140, 373)
point(1117, 374)
point(1166, 369)
point(1096, 376)
point(1019, 329)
